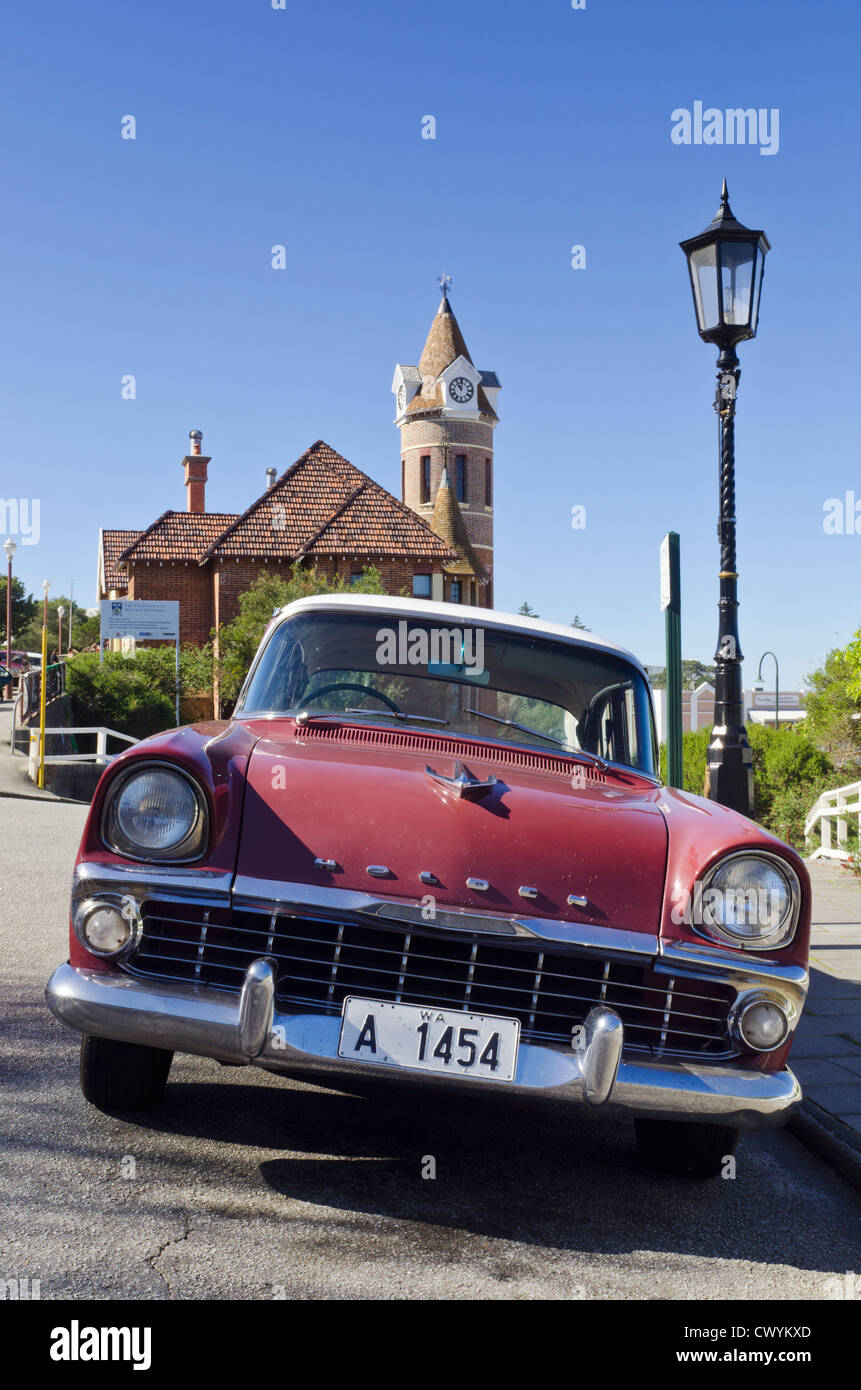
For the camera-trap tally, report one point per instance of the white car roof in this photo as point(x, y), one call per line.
point(454, 614)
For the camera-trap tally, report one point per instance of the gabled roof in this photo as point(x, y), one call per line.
point(449, 524)
point(113, 543)
point(324, 505)
point(443, 345)
point(178, 536)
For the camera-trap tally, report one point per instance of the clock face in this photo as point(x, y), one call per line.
point(402, 397)
point(461, 390)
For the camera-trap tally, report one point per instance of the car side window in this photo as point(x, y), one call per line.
point(609, 724)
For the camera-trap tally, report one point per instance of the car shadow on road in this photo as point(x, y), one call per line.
point(535, 1173)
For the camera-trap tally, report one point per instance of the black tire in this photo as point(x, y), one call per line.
point(122, 1076)
point(686, 1148)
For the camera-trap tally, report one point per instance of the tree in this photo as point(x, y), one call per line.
point(238, 641)
point(693, 674)
point(29, 637)
point(24, 607)
point(579, 624)
point(830, 701)
point(527, 611)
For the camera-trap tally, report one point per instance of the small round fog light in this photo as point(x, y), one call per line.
point(106, 930)
point(763, 1025)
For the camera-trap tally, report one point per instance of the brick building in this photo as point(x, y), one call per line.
point(446, 413)
point(323, 512)
point(437, 542)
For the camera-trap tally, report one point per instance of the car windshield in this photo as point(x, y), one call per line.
point(482, 682)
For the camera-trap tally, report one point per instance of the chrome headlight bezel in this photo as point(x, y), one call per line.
point(122, 903)
point(193, 843)
point(780, 935)
point(748, 1000)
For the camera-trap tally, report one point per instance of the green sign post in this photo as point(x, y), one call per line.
point(672, 606)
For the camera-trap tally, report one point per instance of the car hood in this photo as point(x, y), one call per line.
point(363, 797)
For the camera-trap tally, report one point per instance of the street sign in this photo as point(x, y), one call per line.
point(156, 620)
point(670, 597)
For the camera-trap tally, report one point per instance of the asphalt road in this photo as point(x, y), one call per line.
point(246, 1186)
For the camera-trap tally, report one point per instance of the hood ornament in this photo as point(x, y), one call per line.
point(463, 785)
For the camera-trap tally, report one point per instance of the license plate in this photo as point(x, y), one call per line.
point(446, 1041)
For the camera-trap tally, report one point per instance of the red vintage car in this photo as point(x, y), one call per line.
point(432, 844)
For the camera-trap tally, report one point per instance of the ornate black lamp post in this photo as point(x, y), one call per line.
point(726, 263)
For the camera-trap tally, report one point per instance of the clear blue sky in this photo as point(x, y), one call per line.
point(303, 127)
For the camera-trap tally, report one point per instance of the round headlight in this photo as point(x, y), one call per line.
point(762, 1025)
point(751, 900)
point(156, 813)
point(106, 928)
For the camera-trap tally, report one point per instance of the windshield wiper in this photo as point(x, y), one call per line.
point(560, 742)
point(397, 714)
point(305, 715)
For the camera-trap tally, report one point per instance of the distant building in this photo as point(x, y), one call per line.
point(698, 708)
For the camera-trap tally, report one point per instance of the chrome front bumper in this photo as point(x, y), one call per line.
point(247, 1029)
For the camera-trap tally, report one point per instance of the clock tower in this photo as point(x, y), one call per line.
point(446, 413)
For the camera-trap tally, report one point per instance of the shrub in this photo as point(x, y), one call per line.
point(135, 694)
point(789, 773)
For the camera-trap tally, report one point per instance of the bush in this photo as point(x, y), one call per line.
point(789, 773)
point(694, 751)
point(135, 694)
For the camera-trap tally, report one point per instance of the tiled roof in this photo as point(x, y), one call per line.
point(324, 505)
point(113, 544)
point(450, 526)
point(445, 342)
point(178, 536)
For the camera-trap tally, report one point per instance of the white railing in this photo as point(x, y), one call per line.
point(837, 806)
point(99, 754)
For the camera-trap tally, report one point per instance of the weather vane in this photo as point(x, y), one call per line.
point(444, 281)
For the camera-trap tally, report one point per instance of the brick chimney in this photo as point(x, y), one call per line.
point(195, 474)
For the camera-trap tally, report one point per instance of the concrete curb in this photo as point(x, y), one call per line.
point(42, 796)
point(829, 1138)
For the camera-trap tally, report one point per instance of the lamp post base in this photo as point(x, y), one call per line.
point(729, 768)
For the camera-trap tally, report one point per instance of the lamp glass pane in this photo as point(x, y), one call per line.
point(705, 282)
point(757, 289)
point(736, 281)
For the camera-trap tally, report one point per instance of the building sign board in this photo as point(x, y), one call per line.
point(155, 620)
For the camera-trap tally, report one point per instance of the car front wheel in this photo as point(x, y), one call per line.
point(123, 1076)
point(686, 1148)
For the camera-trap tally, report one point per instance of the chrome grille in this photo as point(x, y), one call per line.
point(320, 962)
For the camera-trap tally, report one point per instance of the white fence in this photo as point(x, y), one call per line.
point(834, 806)
point(99, 754)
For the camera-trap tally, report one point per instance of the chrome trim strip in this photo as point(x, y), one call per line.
point(167, 880)
point(214, 1023)
point(264, 893)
